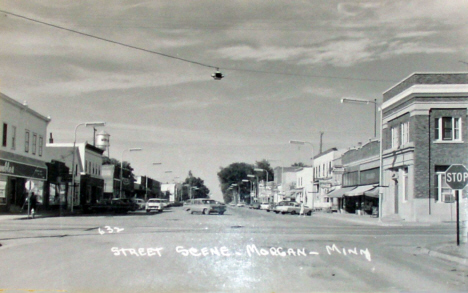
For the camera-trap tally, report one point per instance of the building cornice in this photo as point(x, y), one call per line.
point(429, 90)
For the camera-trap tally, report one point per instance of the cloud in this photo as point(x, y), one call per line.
point(265, 53)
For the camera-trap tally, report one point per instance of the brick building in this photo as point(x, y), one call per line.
point(424, 132)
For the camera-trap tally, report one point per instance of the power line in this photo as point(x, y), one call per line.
point(187, 60)
point(107, 40)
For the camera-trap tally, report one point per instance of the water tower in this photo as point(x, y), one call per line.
point(103, 141)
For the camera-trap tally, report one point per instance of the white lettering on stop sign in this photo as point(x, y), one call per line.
point(456, 176)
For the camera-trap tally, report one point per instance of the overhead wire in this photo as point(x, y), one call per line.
point(184, 59)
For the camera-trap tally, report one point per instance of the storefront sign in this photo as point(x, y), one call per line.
point(22, 170)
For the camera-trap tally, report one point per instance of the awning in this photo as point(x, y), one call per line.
point(339, 192)
point(21, 166)
point(374, 192)
point(358, 191)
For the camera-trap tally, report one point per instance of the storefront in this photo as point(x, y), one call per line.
point(18, 175)
point(56, 186)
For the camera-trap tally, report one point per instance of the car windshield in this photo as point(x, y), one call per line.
point(209, 202)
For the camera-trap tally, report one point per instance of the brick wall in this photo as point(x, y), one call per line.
point(428, 154)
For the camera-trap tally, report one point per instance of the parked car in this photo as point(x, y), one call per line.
point(139, 202)
point(291, 207)
point(122, 205)
point(205, 206)
point(267, 206)
point(116, 205)
point(154, 204)
point(255, 206)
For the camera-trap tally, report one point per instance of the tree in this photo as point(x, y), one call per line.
point(299, 164)
point(265, 165)
point(127, 170)
point(200, 190)
point(234, 174)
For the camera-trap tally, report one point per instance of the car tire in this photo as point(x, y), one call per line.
point(309, 213)
point(191, 212)
point(283, 213)
point(148, 211)
point(293, 212)
point(221, 213)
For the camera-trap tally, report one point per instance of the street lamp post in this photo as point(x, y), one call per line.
point(251, 191)
point(361, 101)
point(266, 182)
point(121, 166)
point(87, 124)
point(282, 173)
point(234, 185)
point(381, 166)
point(250, 188)
point(194, 188)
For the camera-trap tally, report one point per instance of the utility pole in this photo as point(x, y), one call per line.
point(321, 141)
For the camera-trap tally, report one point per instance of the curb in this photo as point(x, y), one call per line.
point(457, 259)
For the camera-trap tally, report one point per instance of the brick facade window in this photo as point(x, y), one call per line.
point(448, 129)
point(443, 192)
point(395, 137)
point(404, 129)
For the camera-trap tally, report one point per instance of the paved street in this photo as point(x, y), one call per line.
point(241, 251)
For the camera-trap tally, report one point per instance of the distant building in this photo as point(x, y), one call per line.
point(169, 190)
point(327, 176)
point(22, 153)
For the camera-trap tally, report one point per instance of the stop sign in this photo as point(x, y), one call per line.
point(456, 176)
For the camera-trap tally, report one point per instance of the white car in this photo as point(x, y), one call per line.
point(205, 206)
point(154, 204)
point(140, 202)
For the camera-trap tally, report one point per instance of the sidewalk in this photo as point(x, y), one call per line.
point(39, 214)
point(447, 251)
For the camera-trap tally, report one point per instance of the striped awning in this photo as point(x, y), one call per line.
point(338, 193)
point(358, 191)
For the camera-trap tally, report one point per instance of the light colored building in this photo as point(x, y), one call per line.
point(22, 153)
point(304, 187)
point(89, 183)
point(170, 189)
point(327, 176)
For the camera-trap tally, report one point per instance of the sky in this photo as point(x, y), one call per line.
point(287, 65)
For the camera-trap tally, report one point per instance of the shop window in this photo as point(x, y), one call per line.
point(448, 129)
point(5, 135)
point(26, 141)
point(2, 192)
